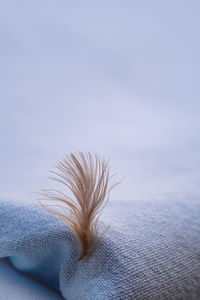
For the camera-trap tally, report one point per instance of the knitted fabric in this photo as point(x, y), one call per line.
point(150, 251)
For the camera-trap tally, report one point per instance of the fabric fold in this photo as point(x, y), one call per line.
point(150, 251)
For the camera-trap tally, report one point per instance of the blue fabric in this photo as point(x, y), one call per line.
point(151, 251)
point(17, 286)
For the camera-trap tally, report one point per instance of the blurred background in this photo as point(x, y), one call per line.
point(119, 78)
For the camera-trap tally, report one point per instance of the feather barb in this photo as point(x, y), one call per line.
point(88, 179)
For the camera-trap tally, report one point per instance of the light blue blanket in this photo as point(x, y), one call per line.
point(151, 251)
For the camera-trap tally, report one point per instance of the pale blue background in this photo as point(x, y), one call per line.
point(120, 78)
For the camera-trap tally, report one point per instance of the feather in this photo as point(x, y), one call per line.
point(88, 179)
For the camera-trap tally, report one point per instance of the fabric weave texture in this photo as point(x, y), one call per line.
point(150, 251)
